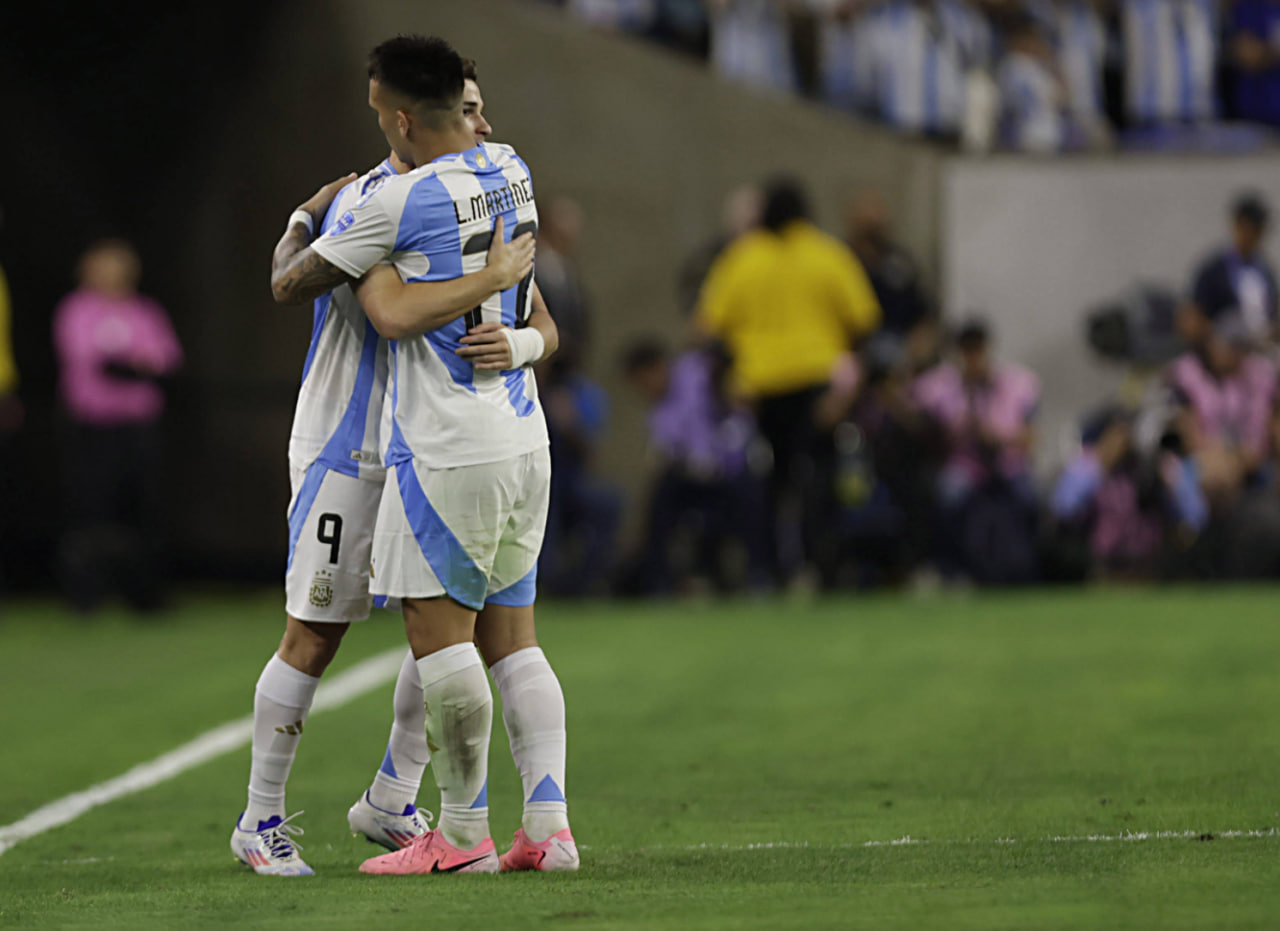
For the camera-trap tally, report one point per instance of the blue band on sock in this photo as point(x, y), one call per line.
point(482, 800)
point(547, 791)
point(388, 765)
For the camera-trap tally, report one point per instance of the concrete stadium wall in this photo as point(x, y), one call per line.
point(647, 142)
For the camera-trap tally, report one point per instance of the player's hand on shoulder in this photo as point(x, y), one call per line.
point(486, 347)
point(319, 202)
point(510, 261)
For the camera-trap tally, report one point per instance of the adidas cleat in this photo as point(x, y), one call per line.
point(387, 828)
point(270, 850)
point(557, 854)
point(431, 853)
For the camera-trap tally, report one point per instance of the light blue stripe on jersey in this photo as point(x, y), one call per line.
point(311, 483)
point(519, 594)
point(398, 450)
point(515, 379)
point(428, 225)
point(321, 304)
point(457, 572)
point(321, 313)
point(349, 437)
point(1149, 104)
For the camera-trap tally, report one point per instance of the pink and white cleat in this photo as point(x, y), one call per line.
point(557, 854)
point(431, 853)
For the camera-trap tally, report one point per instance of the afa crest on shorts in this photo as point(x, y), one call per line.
point(322, 589)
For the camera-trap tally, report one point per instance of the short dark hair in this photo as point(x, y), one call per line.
point(973, 334)
point(1251, 207)
point(784, 201)
point(469, 70)
point(426, 69)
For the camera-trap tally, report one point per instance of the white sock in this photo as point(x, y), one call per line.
point(533, 710)
point(280, 706)
point(395, 785)
point(459, 716)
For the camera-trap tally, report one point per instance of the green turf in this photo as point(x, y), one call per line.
point(981, 727)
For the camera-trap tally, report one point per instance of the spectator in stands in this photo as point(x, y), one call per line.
point(924, 51)
point(623, 15)
point(1226, 394)
point(893, 273)
point(1124, 503)
point(708, 498)
point(846, 56)
point(741, 214)
point(115, 348)
point(751, 44)
point(1033, 98)
point(986, 495)
point(1253, 45)
point(559, 280)
point(788, 300)
point(1237, 278)
point(1170, 59)
point(1077, 33)
point(579, 552)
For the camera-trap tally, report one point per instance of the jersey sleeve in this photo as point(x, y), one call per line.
point(359, 238)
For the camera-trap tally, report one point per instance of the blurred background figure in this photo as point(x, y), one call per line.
point(1170, 59)
point(789, 301)
point(1225, 394)
point(846, 56)
point(1034, 102)
point(891, 269)
point(1125, 506)
point(579, 552)
point(560, 227)
point(1077, 33)
point(740, 215)
point(1253, 46)
point(115, 347)
point(751, 44)
point(925, 51)
point(11, 411)
point(706, 516)
point(1237, 278)
point(986, 494)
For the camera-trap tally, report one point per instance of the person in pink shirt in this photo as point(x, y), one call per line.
point(985, 410)
point(1226, 392)
point(115, 347)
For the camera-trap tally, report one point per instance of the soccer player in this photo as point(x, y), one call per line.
point(337, 477)
point(465, 503)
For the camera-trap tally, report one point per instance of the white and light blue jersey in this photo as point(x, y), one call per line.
point(1032, 104)
point(337, 422)
point(435, 223)
point(1170, 55)
point(923, 54)
point(1079, 36)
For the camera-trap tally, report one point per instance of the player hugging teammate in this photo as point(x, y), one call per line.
point(421, 473)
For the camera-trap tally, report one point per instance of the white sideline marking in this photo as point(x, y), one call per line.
point(364, 676)
point(909, 841)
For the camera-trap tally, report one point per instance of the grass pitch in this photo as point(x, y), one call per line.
point(997, 732)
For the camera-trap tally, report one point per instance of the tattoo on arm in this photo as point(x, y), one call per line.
point(300, 274)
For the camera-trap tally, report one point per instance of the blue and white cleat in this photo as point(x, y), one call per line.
point(386, 828)
point(271, 849)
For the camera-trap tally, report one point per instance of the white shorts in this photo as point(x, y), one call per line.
point(331, 520)
point(473, 533)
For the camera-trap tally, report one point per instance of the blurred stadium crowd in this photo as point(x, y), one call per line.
point(822, 428)
point(1031, 75)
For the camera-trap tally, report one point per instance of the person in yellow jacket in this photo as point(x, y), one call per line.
point(788, 301)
